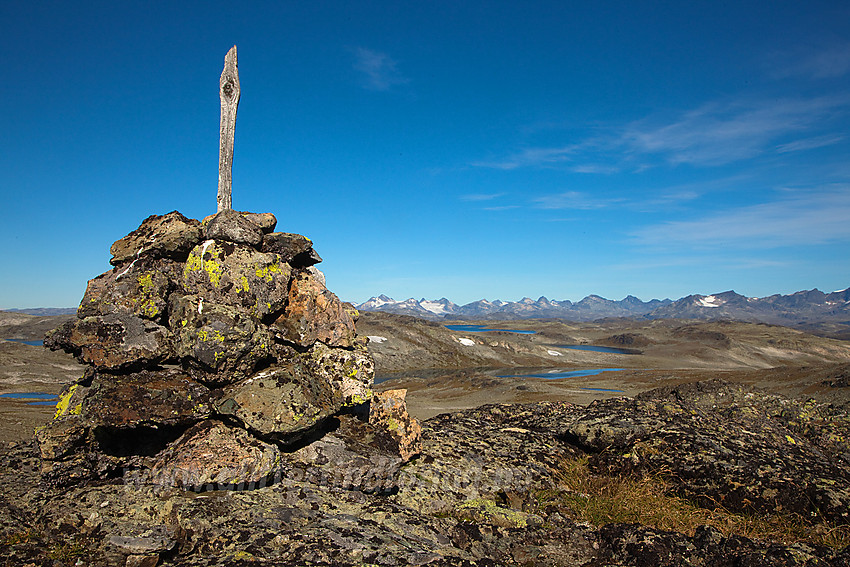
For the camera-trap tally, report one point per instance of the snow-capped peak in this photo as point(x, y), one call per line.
point(709, 301)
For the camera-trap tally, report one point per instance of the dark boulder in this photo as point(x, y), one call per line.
point(283, 403)
point(294, 249)
point(141, 289)
point(117, 340)
point(212, 455)
point(145, 398)
point(231, 226)
point(219, 344)
point(159, 236)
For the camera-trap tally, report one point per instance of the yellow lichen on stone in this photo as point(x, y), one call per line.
point(358, 399)
point(148, 308)
point(790, 439)
point(196, 263)
point(268, 272)
point(206, 336)
point(65, 401)
point(146, 283)
point(244, 285)
point(488, 511)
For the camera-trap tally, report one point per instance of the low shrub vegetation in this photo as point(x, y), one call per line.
point(649, 500)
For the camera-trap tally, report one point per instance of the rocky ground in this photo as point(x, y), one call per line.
point(489, 488)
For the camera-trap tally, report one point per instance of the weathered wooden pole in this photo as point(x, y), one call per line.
point(229, 93)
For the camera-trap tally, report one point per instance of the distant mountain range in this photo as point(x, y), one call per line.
point(795, 309)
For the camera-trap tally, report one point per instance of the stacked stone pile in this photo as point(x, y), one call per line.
point(213, 348)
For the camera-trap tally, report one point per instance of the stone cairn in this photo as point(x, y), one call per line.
point(213, 350)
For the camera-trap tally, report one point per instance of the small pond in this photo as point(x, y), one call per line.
point(38, 398)
point(560, 373)
point(592, 348)
point(27, 342)
point(484, 329)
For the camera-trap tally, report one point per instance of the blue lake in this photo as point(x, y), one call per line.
point(484, 329)
point(26, 342)
point(592, 348)
point(40, 398)
point(555, 374)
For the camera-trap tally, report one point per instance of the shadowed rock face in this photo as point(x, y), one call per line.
point(207, 345)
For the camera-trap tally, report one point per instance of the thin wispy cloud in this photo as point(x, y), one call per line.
point(825, 63)
point(379, 71)
point(595, 168)
point(691, 260)
point(720, 133)
point(799, 219)
point(481, 196)
point(531, 157)
point(574, 200)
point(713, 134)
point(810, 143)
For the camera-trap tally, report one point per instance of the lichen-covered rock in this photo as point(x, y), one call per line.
point(231, 226)
point(61, 438)
point(389, 412)
point(219, 344)
point(116, 340)
point(295, 249)
point(354, 456)
point(314, 314)
point(159, 236)
point(484, 492)
point(721, 445)
point(283, 403)
point(144, 398)
point(211, 454)
point(142, 289)
point(266, 221)
point(106, 421)
point(350, 372)
point(239, 276)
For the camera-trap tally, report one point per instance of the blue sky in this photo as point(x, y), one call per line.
point(460, 149)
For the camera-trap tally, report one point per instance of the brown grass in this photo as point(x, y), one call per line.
point(648, 500)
